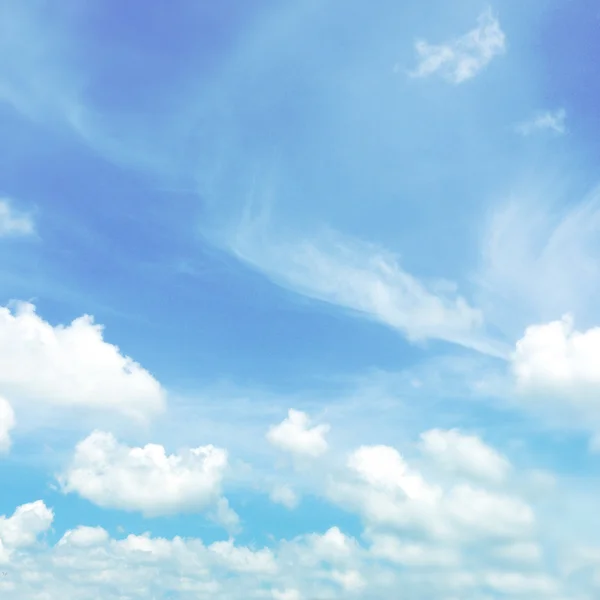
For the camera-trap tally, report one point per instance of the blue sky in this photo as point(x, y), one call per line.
point(298, 300)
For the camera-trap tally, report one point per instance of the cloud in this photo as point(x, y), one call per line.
point(7, 423)
point(350, 581)
point(553, 363)
point(295, 435)
point(23, 527)
point(285, 495)
point(85, 537)
point(462, 58)
point(332, 546)
point(288, 594)
point(383, 467)
point(520, 552)
point(244, 560)
point(391, 548)
point(465, 454)
point(390, 494)
point(519, 583)
point(366, 279)
point(430, 538)
point(227, 517)
point(71, 366)
point(113, 475)
point(540, 258)
point(86, 562)
point(550, 120)
point(13, 223)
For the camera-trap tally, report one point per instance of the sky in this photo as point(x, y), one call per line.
point(298, 300)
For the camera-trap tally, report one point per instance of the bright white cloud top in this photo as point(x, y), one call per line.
point(7, 422)
point(145, 479)
point(295, 435)
point(71, 366)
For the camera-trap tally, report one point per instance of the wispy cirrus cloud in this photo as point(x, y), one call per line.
point(552, 121)
point(462, 58)
point(539, 259)
point(367, 279)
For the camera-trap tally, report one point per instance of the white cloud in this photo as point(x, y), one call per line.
point(287, 594)
point(520, 552)
point(227, 517)
point(390, 494)
point(554, 364)
point(333, 546)
point(70, 366)
point(113, 475)
point(7, 423)
point(384, 468)
point(519, 583)
point(366, 279)
point(86, 562)
point(391, 548)
point(85, 537)
point(550, 120)
point(295, 435)
point(14, 223)
point(244, 560)
point(462, 58)
point(23, 527)
point(465, 454)
point(481, 513)
point(350, 581)
point(285, 495)
point(540, 258)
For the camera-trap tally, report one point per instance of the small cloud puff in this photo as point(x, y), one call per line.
point(14, 223)
point(284, 495)
point(462, 58)
point(295, 435)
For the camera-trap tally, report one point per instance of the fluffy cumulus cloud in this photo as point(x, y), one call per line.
point(412, 554)
point(70, 366)
point(13, 222)
point(147, 479)
point(84, 537)
point(87, 562)
point(465, 454)
point(428, 537)
point(549, 120)
point(556, 366)
point(23, 527)
point(464, 57)
point(295, 435)
point(388, 493)
point(7, 422)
